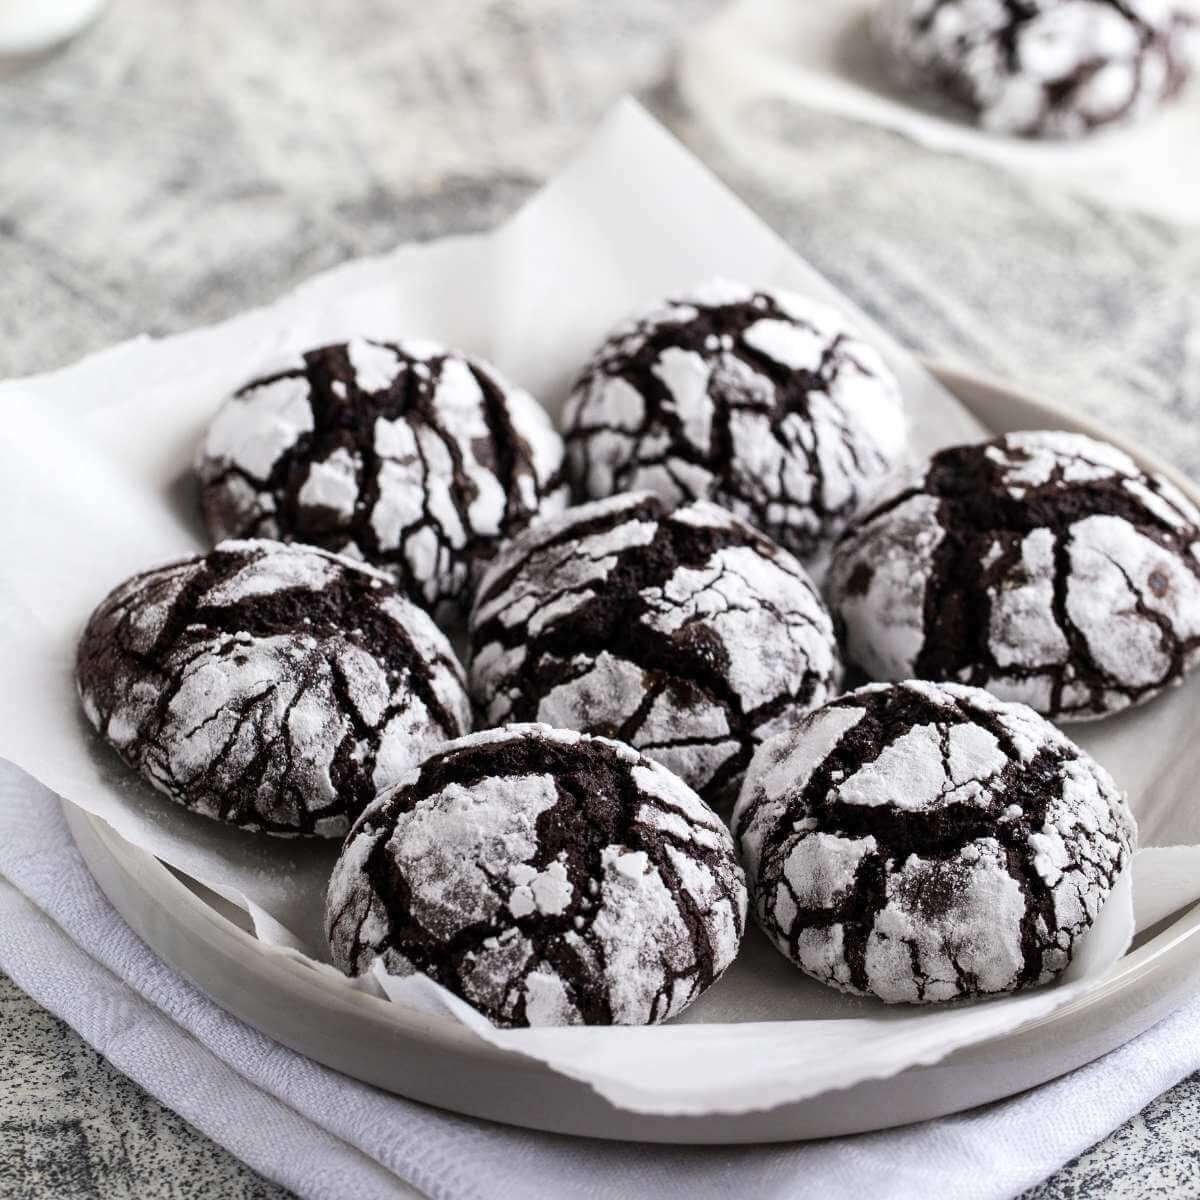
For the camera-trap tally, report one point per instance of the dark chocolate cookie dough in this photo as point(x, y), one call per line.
point(922, 842)
point(1041, 68)
point(546, 877)
point(275, 687)
point(405, 454)
point(686, 633)
point(762, 401)
point(1046, 567)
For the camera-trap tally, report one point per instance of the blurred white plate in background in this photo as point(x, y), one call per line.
point(819, 54)
point(30, 27)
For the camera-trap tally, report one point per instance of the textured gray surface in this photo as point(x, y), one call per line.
point(179, 163)
point(72, 1126)
point(1153, 1157)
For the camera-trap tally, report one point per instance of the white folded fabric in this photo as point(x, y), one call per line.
point(325, 1135)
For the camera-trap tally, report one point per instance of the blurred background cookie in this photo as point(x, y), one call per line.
point(1041, 68)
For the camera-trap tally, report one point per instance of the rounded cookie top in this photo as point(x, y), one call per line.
point(762, 401)
point(686, 633)
point(275, 687)
point(546, 877)
point(1041, 68)
point(922, 842)
point(1046, 567)
point(408, 455)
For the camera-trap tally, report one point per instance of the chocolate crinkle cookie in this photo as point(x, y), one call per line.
point(546, 877)
point(685, 633)
point(1041, 68)
point(921, 842)
point(410, 456)
point(1046, 567)
point(762, 401)
point(275, 687)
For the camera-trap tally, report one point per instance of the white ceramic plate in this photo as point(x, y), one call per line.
point(821, 55)
point(435, 1060)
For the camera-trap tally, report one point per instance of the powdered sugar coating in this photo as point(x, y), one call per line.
point(546, 877)
point(405, 454)
point(1046, 567)
point(1042, 68)
point(686, 634)
point(922, 842)
point(275, 687)
point(762, 401)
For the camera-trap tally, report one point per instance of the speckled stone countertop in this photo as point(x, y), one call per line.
point(178, 163)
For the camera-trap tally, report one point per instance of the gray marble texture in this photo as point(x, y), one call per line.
point(71, 1126)
point(178, 163)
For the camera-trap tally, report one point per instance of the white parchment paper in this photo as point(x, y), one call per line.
point(95, 485)
point(818, 53)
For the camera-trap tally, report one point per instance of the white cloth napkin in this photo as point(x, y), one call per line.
point(325, 1135)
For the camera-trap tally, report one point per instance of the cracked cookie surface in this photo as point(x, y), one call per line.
point(922, 842)
point(1046, 567)
point(410, 456)
point(762, 401)
point(546, 877)
point(1041, 68)
point(275, 687)
point(687, 634)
